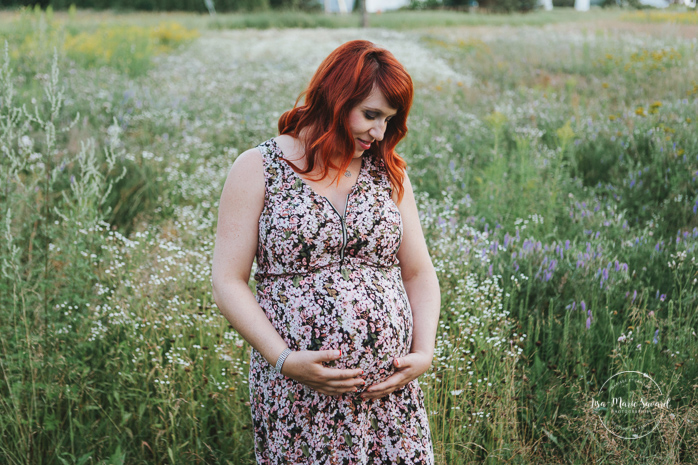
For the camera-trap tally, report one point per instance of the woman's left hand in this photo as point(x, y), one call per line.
point(408, 368)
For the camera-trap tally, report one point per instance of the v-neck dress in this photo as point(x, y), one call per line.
point(332, 282)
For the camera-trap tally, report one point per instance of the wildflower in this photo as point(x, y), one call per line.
point(662, 297)
point(640, 111)
point(25, 143)
point(456, 392)
point(656, 333)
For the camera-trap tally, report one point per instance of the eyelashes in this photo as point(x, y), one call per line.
point(371, 117)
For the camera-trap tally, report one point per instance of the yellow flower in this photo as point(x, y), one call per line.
point(639, 111)
point(612, 117)
point(604, 85)
point(565, 134)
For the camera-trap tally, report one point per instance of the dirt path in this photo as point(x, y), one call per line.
point(611, 27)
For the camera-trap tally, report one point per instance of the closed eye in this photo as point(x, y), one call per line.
point(372, 116)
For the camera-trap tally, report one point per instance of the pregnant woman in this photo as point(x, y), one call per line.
point(347, 300)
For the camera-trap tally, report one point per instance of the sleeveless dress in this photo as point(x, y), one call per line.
point(328, 281)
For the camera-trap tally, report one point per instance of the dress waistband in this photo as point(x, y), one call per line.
point(261, 274)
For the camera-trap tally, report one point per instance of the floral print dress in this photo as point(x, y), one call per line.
point(332, 281)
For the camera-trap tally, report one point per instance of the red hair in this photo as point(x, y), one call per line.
point(344, 79)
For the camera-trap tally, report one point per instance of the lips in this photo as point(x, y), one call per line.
point(364, 145)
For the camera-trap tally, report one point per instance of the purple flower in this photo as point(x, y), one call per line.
point(656, 333)
point(588, 322)
point(662, 297)
point(634, 296)
point(584, 307)
point(72, 179)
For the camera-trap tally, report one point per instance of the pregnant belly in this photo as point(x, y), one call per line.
point(364, 312)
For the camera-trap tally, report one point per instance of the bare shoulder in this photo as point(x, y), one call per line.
point(241, 205)
point(248, 167)
point(249, 160)
point(408, 194)
point(289, 146)
point(245, 182)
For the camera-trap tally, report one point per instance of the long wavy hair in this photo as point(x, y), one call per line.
point(344, 79)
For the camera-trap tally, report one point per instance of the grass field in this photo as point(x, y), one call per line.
point(555, 160)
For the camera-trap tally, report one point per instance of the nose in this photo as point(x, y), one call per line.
point(377, 131)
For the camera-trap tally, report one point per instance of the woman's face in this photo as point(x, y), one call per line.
point(369, 120)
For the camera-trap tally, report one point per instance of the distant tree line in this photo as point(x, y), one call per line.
point(221, 6)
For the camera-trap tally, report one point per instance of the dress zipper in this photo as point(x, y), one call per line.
point(344, 226)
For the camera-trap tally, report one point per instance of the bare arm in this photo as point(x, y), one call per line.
point(418, 276)
point(241, 205)
point(424, 295)
point(237, 237)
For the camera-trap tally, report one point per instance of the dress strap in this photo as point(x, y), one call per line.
point(379, 175)
point(274, 174)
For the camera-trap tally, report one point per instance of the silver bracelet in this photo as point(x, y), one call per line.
point(282, 358)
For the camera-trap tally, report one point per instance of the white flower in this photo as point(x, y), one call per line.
point(25, 144)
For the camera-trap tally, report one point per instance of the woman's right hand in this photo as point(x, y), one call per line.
point(306, 367)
